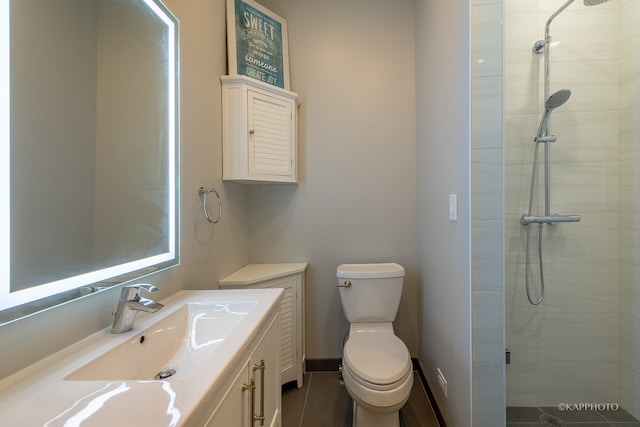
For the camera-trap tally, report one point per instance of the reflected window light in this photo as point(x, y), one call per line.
point(171, 408)
point(92, 406)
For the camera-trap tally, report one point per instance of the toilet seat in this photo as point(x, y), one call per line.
point(378, 361)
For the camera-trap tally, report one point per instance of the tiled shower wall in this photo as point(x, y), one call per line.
point(630, 206)
point(487, 227)
point(581, 344)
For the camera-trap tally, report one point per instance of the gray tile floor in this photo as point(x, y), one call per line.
point(324, 402)
point(530, 417)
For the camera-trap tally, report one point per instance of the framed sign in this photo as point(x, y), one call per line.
point(257, 43)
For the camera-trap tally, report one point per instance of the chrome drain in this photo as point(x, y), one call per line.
point(164, 374)
point(551, 420)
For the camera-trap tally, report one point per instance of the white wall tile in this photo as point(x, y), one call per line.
point(488, 328)
point(630, 301)
point(519, 6)
point(522, 385)
point(487, 267)
point(585, 136)
point(629, 29)
point(630, 133)
point(520, 129)
point(630, 342)
point(487, 198)
point(579, 338)
point(578, 382)
point(584, 35)
point(517, 184)
point(581, 187)
point(488, 395)
point(516, 294)
point(629, 237)
point(583, 288)
point(523, 31)
point(629, 390)
point(594, 85)
point(486, 112)
point(593, 239)
point(521, 88)
point(522, 338)
point(486, 36)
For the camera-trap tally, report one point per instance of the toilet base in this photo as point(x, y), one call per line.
point(364, 418)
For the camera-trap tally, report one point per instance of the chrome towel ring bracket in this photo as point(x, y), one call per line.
point(204, 192)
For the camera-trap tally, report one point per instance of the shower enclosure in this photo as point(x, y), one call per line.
point(581, 343)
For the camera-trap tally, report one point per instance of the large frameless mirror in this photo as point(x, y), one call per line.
point(89, 147)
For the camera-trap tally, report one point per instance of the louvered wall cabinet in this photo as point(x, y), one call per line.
point(259, 132)
point(290, 277)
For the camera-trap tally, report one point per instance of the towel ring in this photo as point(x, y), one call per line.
point(204, 192)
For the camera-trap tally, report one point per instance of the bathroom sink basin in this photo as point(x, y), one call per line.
point(195, 343)
point(168, 346)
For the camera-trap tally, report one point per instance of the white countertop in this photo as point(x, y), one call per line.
point(254, 273)
point(39, 395)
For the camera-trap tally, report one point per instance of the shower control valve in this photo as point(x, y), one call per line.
point(548, 138)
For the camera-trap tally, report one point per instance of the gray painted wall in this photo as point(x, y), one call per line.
point(443, 153)
point(352, 64)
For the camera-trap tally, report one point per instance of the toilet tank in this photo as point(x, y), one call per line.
point(375, 291)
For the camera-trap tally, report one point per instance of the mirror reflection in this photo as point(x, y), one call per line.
point(92, 146)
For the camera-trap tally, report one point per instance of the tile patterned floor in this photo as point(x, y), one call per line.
point(530, 417)
point(324, 402)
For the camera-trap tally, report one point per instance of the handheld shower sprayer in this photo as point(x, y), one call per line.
point(554, 101)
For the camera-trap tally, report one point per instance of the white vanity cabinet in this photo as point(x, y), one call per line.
point(259, 132)
point(252, 396)
point(290, 277)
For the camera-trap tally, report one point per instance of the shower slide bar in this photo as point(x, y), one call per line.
point(548, 219)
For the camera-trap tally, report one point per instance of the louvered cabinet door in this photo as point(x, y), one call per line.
point(288, 327)
point(259, 132)
point(270, 126)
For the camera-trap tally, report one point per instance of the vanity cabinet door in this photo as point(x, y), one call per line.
point(233, 410)
point(265, 369)
point(253, 399)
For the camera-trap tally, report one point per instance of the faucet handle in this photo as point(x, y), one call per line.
point(132, 292)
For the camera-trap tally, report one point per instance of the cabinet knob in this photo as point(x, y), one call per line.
point(251, 132)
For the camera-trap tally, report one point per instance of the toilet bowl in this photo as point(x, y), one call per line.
point(376, 365)
point(377, 372)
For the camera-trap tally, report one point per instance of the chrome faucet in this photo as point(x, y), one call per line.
point(130, 302)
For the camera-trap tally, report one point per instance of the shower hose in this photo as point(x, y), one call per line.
point(534, 187)
point(540, 263)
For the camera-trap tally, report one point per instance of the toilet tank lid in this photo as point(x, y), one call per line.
point(363, 271)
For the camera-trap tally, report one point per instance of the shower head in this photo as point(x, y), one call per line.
point(557, 99)
point(594, 2)
point(554, 101)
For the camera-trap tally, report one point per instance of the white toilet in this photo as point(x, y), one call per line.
point(376, 365)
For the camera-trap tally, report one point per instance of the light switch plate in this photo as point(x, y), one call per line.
point(453, 207)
